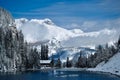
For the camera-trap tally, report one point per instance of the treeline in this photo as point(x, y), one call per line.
point(102, 53)
point(15, 54)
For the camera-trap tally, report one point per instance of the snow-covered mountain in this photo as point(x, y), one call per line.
point(60, 40)
point(36, 30)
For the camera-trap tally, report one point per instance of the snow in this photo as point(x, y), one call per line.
point(44, 29)
point(45, 61)
point(37, 30)
point(112, 66)
point(77, 31)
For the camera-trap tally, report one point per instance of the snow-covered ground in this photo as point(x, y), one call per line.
point(112, 66)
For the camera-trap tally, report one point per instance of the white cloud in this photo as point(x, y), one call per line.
point(95, 25)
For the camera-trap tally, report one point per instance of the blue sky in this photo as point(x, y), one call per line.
point(65, 13)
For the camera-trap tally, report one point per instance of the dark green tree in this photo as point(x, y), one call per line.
point(52, 61)
point(68, 63)
point(58, 64)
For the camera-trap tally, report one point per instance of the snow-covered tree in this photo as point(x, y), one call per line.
point(15, 54)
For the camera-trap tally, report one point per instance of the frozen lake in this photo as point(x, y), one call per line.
point(57, 75)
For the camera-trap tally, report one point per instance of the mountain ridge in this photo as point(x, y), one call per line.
point(44, 29)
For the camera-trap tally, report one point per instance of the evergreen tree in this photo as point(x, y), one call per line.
point(14, 51)
point(44, 52)
point(52, 61)
point(118, 44)
point(68, 63)
point(58, 65)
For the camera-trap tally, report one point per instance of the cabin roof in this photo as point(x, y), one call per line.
point(45, 61)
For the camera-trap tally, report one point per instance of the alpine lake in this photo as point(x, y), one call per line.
point(56, 75)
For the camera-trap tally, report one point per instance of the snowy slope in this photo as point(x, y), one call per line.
point(37, 30)
point(44, 29)
point(112, 66)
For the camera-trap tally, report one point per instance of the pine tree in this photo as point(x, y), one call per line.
point(44, 52)
point(52, 61)
point(118, 44)
point(58, 65)
point(68, 63)
point(14, 52)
